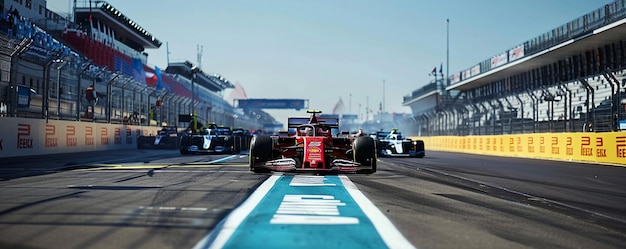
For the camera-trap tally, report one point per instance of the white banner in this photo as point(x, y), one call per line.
point(467, 74)
point(24, 137)
point(475, 70)
point(516, 53)
point(455, 78)
point(499, 60)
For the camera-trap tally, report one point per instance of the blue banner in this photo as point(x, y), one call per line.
point(23, 97)
point(296, 104)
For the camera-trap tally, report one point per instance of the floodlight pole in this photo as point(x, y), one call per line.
point(194, 70)
point(447, 52)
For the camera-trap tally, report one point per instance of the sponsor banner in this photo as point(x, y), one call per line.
point(516, 53)
point(23, 97)
point(23, 136)
point(467, 74)
point(622, 125)
point(609, 147)
point(499, 60)
point(455, 78)
point(475, 70)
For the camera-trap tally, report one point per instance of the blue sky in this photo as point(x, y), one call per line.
point(324, 50)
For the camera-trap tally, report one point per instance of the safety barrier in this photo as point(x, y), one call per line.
point(606, 147)
point(27, 136)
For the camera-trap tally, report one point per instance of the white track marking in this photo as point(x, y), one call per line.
point(235, 218)
point(387, 231)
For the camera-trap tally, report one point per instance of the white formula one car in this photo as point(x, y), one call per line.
point(394, 144)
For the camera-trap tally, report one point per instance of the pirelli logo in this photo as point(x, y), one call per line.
point(89, 138)
point(129, 136)
point(600, 151)
point(70, 136)
point(488, 146)
point(104, 136)
point(24, 141)
point(474, 143)
point(51, 136)
point(620, 146)
point(117, 136)
point(555, 145)
point(569, 150)
point(585, 149)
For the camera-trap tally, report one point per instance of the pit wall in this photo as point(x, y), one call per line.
point(606, 147)
point(27, 136)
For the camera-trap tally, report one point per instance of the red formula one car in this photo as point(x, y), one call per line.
point(313, 148)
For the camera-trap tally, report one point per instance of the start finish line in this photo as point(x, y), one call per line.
point(305, 211)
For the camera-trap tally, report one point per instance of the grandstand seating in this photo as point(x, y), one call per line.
point(543, 92)
point(522, 118)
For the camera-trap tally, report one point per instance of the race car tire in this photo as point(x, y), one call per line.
point(260, 151)
point(140, 141)
point(370, 171)
point(169, 143)
point(185, 142)
point(365, 153)
point(419, 146)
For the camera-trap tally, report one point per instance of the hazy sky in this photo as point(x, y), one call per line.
point(324, 50)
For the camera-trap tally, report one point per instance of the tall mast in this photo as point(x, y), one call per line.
point(167, 52)
point(199, 54)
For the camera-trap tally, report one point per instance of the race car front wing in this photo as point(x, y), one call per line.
point(291, 164)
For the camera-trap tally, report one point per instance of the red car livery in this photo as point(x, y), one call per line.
point(312, 147)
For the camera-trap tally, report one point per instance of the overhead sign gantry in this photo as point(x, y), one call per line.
point(296, 104)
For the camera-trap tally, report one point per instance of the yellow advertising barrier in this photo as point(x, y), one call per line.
point(607, 147)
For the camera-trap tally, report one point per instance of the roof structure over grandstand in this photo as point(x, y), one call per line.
point(591, 30)
point(571, 78)
point(127, 30)
point(213, 82)
point(544, 54)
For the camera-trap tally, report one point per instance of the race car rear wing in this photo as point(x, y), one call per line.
point(294, 122)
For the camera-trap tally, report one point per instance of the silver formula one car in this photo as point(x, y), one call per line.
point(394, 144)
point(211, 139)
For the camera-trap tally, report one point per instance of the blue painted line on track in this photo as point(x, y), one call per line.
point(305, 212)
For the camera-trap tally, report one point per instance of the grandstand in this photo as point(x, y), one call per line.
point(94, 68)
point(570, 79)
